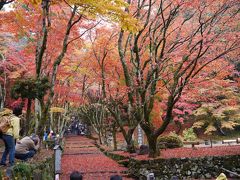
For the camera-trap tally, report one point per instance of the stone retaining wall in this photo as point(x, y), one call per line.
point(185, 168)
point(22, 170)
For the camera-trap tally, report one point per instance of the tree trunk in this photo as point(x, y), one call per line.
point(37, 119)
point(126, 134)
point(131, 147)
point(100, 137)
point(56, 64)
point(130, 144)
point(42, 122)
point(1, 98)
point(129, 140)
point(59, 125)
point(62, 129)
point(179, 127)
point(152, 143)
point(114, 132)
point(220, 130)
point(28, 116)
point(84, 84)
point(38, 114)
point(3, 88)
point(51, 121)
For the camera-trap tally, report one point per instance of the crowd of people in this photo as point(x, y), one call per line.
point(76, 127)
point(25, 148)
point(9, 132)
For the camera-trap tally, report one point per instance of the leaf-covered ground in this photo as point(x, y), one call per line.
point(190, 152)
point(82, 155)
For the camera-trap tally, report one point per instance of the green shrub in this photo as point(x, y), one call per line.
point(171, 141)
point(22, 171)
point(189, 135)
point(174, 134)
point(1, 174)
point(26, 171)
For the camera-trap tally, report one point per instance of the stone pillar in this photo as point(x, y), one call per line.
point(140, 135)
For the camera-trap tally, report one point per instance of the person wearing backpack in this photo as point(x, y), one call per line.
point(9, 132)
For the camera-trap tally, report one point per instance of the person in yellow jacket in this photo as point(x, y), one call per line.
point(11, 135)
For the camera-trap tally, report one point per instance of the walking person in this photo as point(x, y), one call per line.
point(11, 134)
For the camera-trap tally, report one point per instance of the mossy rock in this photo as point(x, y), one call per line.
point(169, 142)
point(116, 157)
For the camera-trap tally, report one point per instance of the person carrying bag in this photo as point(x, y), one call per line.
point(9, 129)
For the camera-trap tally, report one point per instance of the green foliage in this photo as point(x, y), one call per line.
point(214, 116)
point(174, 134)
point(47, 176)
point(46, 168)
point(24, 88)
point(170, 141)
point(189, 135)
point(42, 86)
point(26, 171)
point(30, 88)
point(22, 171)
